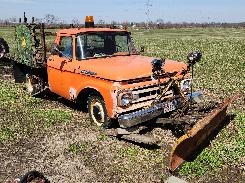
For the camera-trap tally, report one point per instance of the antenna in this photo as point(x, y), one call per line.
point(147, 12)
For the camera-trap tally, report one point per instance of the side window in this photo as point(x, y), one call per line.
point(66, 47)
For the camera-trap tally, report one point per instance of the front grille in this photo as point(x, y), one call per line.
point(148, 93)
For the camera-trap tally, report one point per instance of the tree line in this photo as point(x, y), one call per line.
point(51, 20)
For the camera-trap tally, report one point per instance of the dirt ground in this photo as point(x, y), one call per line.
point(99, 160)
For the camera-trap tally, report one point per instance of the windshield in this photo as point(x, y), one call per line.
point(103, 44)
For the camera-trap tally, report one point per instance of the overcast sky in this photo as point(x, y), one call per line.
point(129, 10)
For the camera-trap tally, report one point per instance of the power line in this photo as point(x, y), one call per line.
point(148, 4)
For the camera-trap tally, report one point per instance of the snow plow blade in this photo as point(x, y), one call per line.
point(189, 143)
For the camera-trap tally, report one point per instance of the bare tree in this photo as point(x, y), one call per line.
point(75, 21)
point(13, 20)
point(39, 20)
point(50, 19)
point(60, 21)
point(101, 22)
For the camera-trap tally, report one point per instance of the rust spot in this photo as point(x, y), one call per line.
point(73, 93)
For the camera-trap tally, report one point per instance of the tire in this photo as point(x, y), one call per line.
point(33, 176)
point(97, 112)
point(20, 72)
point(4, 48)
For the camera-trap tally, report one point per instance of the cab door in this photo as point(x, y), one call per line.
point(60, 67)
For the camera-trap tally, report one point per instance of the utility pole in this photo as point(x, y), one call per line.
point(147, 12)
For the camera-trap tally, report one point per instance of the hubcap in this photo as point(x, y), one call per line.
point(97, 113)
point(2, 51)
point(29, 85)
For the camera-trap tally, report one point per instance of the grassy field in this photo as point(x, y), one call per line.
point(220, 72)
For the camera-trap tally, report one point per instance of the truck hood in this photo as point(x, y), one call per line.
point(122, 68)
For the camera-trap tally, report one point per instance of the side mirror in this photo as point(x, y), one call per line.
point(194, 57)
point(55, 50)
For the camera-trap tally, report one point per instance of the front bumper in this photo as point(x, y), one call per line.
point(143, 115)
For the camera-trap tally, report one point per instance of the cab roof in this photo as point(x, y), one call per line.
point(74, 31)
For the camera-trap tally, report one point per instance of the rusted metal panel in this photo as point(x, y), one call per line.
point(186, 145)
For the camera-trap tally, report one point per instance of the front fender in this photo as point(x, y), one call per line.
point(106, 89)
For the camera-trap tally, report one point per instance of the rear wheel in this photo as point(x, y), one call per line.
point(34, 84)
point(97, 111)
point(29, 85)
point(4, 48)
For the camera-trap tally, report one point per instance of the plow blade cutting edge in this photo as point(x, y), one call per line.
point(189, 143)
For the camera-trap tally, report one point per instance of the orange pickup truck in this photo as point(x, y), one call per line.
point(101, 70)
point(98, 68)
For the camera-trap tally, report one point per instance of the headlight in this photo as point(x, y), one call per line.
point(185, 85)
point(124, 99)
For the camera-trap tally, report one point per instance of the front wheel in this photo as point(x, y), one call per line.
point(97, 112)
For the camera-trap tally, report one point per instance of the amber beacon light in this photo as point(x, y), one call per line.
point(89, 21)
